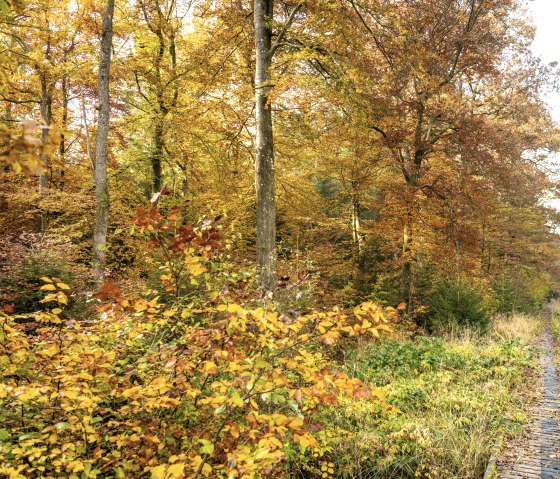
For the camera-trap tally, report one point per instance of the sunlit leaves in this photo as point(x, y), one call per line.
point(225, 397)
point(25, 151)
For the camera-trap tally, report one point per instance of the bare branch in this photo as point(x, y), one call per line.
point(282, 33)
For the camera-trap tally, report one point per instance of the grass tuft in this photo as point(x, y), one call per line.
point(508, 327)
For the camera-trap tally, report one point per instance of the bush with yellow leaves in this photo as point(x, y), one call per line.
point(229, 393)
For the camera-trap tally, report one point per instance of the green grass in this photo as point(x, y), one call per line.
point(555, 323)
point(455, 398)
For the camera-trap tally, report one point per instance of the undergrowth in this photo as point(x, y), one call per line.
point(455, 397)
point(198, 380)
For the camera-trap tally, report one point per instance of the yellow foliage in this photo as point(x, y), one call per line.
point(225, 398)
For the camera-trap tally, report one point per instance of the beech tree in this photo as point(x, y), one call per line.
point(100, 173)
point(431, 56)
point(264, 157)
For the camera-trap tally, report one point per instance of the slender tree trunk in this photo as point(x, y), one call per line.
point(357, 237)
point(264, 181)
point(46, 117)
point(159, 141)
point(412, 170)
point(173, 55)
point(100, 174)
point(157, 154)
point(64, 125)
point(88, 139)
point(407, 255)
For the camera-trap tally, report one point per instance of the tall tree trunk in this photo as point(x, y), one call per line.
point(264, 181)
point(64, 125)
point(100, 174)
point(357, 237)
point(161, 112)
point(88, 140)
point(408, 257)
point(412, 170)
point(157, 154)
point(46, 117)
point(173, 55)
point(159, 23)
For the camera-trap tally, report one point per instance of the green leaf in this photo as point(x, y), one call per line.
point(207, 447)
point(4, 434)
point(61, 426)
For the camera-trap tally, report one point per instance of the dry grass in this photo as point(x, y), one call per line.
point(517, 326)
point(463, 336)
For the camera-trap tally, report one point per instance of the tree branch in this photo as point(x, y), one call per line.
point(379, 130)
point(282, 33)
point(375, 39)
point(20, 102)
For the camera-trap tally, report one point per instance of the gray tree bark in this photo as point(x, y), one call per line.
point(88, 140)
point(357, 235)
point(100, 173)
point(265, 178)
point(64, 126)
point(46, 117)
point(264, 155)
point(408, 257)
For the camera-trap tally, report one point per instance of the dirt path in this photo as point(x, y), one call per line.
point(537, 454)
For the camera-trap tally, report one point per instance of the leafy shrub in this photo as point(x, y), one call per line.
point(457, 304)
point(173, 390)
point(21, 267)
point(229, 394)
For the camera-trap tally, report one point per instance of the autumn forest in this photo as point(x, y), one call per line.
point(271, 238)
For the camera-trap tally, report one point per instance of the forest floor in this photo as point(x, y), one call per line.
point(536, 454)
